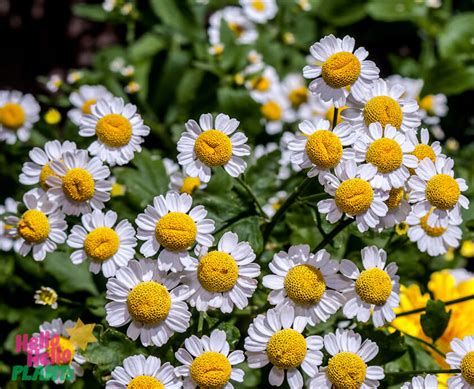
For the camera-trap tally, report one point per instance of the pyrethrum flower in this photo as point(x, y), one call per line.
point(276, 110)
point(374, 291)
point(462, 357)
point(320, 148)
point(354, 197)
point(423, 149)
point(150, 300)
point(427, 382)
point(274, 203)
point(171, 224)
point(179, 181)
point(398, 209)
point(242, 28)
point(295, 88)
point(41, 228)
point(436, 191)
point(259, 11)
point(140, 372)
point(347, 366)
point(307, 282)
point(338, 69)
point(276, 338)
point(107, 247)
point(79, 183)
point(211, 144)
point(7, 241)
point(46, 296)
point(224, 277)
point(83, 100)
point(119, 130)
point(207, 362)
point(261, 81)
point(37, 171)
point(18, 113)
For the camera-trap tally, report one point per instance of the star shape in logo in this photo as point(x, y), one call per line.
point(81, 334)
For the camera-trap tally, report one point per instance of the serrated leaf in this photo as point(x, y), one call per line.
point(435, 319)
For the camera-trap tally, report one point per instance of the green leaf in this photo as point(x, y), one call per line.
point(391, 346)
point(93, 12)
point(232, 332)
point(342, 12)
point(395, 10)
point(261, 175)
point(449, 77)
point(148, 45)
point(435, 319)
point(248, 229)
point(457, 37)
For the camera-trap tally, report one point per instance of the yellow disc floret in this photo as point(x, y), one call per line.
point(34, 226)
point(374, 286)
point(78, 184)
point(176, 231)
point(442, 191)
point(341, 69)
point(236, 28)
point(324, 149)
point(12, 116)
point(298, 96)
point(384, 110)
point(190, 184)
point(213, 148)
point(385, 154)
point(114, 130)
point(395, 197)
point(145, 382)
point(346, 370)
point(467, 367)
point(329, 115)
point(100, 244)
point(286, 349)
point(64, 344)
point(426, 103)
point(86, 107)
point(354, 196)
point(260, 83)
point(149, 302)
point(271, 110)
point(211, 370)
point(217, 272)
point(423, 151)
point(430, 230)
point(258, 5)
point(305, 285)
point(46, 172)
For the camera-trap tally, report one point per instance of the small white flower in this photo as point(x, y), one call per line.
point(287, 166)
point(46, 296)
point(261, 81)
point(295, 88)
point(259, 11)
point(117, 64)
point(109, 5)
point(74, 76)
point(179, 181)
point(84, 99)
point(127, 71)
point(276, 111)
point(462, 357)
point(274, 203)
point(398, 209)
point(427, 382)
point(8, 241)
point(423, 149)
point(54, 83)
point(243, 29)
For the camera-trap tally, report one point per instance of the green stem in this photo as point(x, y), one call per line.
point(428, 344)
point(449, 302)
point(248, 189)
point(416, 372)
point(201, 322)
point(67, 301)
point(334, 118)
point(130, 32)
point(336, 230)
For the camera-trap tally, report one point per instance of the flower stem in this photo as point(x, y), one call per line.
point(334, 118)
point(67, 301)
point(428, 344)
point(449, 302)
point(248, 189)
point(201, 322)
point(415, 372)
point(336, 230)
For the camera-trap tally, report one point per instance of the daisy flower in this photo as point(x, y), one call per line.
point(150, 300)
point(387, 156)
point(207, 362)
point(462, 357)
point(339, 68)
point(382, 103)
point(276, 111)
point(433, 240)
point(374, 291)
point(179, 181)
point(139, 371)
point(18, 113)
point(79, 183)
point(7, 241)
point(210, 144)
point(41, 228)
point(320, 148)
point(84, 99)
point(259, 11)
point(347, 366)
point(354, 197)
point(241, 27)
point(316, 109)
point(295, 88)
point(307, 282)
point(276, 338)
point(435, 187)
point(274, 203)
point(119, 130)
point(171, 224)
point(433, 107)
point(224, 277)
point(261, 81)
point(423, 149)
point(286, 164)
point(46, 296)
point(107, 247)
point(38, 170)
point(398, 209)
point(54, 83)
point(427, 382)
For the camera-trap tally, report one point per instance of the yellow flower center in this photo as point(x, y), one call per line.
point(46, 172)
point(34, 226)
point(86, 107)
point(64, 344)
point(217, 272)
point(236, 28)
point(402, 228)
point(12, 116)
point(213, 148)
point(374, 286)
point(271, 110)
point(114, 130)
point(354, 196)
point(430, 231)
point(426, 103)
point(149, 302)
point(330, 114)
point(384, 110)
point(346, 370)
point(423, 151)
point(176, 231)
point(145, 382)
point(305, 285)
point(286, 349)
point(190, 184)
point(117, 190)
point(442, 191)
point(341, 70)
point(385, 154)
point(324, 149)
point(48, 296)
point(211, 370)
point(78, 184)
point(258, 5)
point(260, 83)
point(467, 367)
point(52, 116)
point(100, 244)
point(395, 197)
point(298, 96)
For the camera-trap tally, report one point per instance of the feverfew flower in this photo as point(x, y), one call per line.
point(259, 11)
point(7, 241)
point(46, 296)
point(276, 111)
point(242, 28)
point(274, 203)
point(84, 98)
point(462, 357)
point(427, 382)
